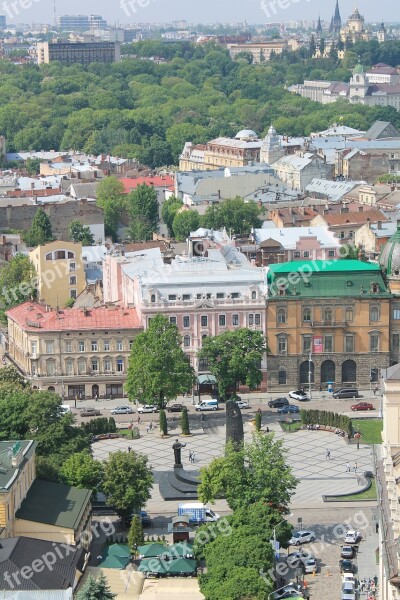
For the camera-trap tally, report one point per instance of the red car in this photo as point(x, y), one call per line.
point(362, 406)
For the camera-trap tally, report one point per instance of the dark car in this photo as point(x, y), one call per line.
point(175, 408)
point(362, 406)
point(90, 412)
point(347, 566)
point(145, 518)
point(348, 552)
point(278, 402)
point(290, 408)
point(344, 392)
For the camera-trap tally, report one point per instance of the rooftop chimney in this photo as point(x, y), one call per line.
point(379, 224)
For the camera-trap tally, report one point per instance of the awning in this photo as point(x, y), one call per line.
point(179, 550)
point(181, 565)
point(206, 378)
point(151, 550)
point(152, 565)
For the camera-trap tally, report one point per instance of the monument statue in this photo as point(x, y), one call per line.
point(234, 423)
point(177, 447)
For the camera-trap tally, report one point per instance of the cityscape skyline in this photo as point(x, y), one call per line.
point(158, 11)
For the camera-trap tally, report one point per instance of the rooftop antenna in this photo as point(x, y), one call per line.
point(55, 13)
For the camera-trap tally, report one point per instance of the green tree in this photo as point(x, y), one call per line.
point(110, 197)
point(235, 214)
point(12, 376)
point(185, 222)
point(32, 166)
point(135, 535)
point(255, 473)
point(83, 471)
point(78, 233)
point(169, 210)
point(163, 422)
point(127, 482)
point(143, 211)
point(158, 368)
point(185, 421)
point(40, 232)
point(322, 46)
point(312, 46)
point(258, 420)
point(16, 283)
point(95, 589)
point(235, 357)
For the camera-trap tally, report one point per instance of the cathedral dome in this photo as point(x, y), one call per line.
point(389, 258)
point(356, 16)
point(246, 134)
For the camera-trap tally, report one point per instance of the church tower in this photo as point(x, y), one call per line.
point(319, 27)
point(271, 149)
point(336, 23)
point(382, 34)
point(358, 85)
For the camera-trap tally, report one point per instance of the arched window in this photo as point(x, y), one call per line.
point(281, 315)
point(49, 256)
point(305, 368)
point(153, 298)
point(307, 315)
point(254, 295)
point(374, 314)
point(51, 389)
point(328, 371)
point(186, 341)
point(328, 315)
point(349, 372)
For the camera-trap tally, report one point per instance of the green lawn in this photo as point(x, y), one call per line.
point(370, 430)
point(368, 495)
point(291, 427)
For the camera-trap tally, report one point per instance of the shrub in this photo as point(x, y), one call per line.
point(163, 423)
point(185, 422)
point(258, 421)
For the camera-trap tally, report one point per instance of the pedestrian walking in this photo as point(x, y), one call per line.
point(328, 454)
point(193, 457)
point(190, 456)
point(151, 425)
point(376, 581)
point(358, 443)
point(347, 467)
point(96, 398)
point(147, 427)
point(138, 420)
point(355, 467)
point(129, 449)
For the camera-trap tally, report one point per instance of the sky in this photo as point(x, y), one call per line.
point(203, 11)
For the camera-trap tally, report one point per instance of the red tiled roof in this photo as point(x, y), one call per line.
point(31, 316)
point(355, 218)
point(158, 182)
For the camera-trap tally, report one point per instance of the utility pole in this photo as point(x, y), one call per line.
point(309, 374)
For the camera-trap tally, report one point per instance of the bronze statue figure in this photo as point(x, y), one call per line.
point(177, 447)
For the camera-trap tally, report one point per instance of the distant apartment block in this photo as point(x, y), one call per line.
point(260, 52)
point(81, 53)
point(75, 22)
point(3, 22)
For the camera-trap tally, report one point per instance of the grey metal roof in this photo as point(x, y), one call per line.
point(8, 473)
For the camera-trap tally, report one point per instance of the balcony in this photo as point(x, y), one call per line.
point(329, 324)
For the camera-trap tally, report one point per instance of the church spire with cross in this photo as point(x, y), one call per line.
point(336, 23)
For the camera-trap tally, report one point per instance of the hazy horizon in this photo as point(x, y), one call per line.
point(208, 11)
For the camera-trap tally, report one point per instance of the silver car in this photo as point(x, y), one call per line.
point(122, 410)
point(147, 408)
point(302, 537)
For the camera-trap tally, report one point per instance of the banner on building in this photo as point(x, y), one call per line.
point(317, 345)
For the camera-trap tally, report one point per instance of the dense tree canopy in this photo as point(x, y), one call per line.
point(40, 231)
point(16, 283)
point(185, 222)
point(235, 214)
point(83, 471)
point(80, 234)
point(142, 205)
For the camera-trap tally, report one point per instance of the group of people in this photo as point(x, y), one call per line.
point(149, 427)
point(192, 456)
point(348, 468)
point(369, 586)
point(313, 427)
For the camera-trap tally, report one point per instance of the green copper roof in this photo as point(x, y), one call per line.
point(323, 266)
point(359, 69)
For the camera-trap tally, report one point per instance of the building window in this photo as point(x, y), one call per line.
point(222, 320)
point(153, 298)
point(349, 314)
point(119, 345)
point(306, 343)
point(235, 295)
point(81, 367)
point(235, 320)
point(34, 348)
point(72, 266)
point(307, 315)
point(282, 377)
point(94, 345)
point(328, 343)
point(186, 321)
point(204, 321)
point(172, 297)
point(203, 363)
point(49, 347)
point(396, 341)
point(81, 346)
point(328, 315)
point(306, 254)
point(282, 344)
point(72, 280)
point(281, 316)
point(186, 297)
point(251, 319)
point(297, 254)
point(342, 235)
point(95, 364)
point(50, 367)
point(374, 314)
point(331, 253)
point(73, 294)
point(374, 342)
point(69, 367)
point(107, 365)
point(220, 295)
point(396, 312)
point(257, 319)
point(106, 346)
point(120, 365)
point(349, 343)
point(186, 341)
point(172, 320)
point(254, 295)
point(68, 347)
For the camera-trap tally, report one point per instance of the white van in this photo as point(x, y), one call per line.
point(207, 405)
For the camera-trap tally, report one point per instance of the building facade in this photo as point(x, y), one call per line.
point(79, 52)
point(260, 52)
point(76, 353)
point(327, 322)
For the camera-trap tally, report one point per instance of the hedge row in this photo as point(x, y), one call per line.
point(101, 425)
point(324, 417)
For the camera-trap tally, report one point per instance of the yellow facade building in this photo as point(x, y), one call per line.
point(60, 272)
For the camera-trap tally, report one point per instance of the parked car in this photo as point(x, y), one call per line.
point(348, 587)
point(346, 392)
point(310, 565)
point(295, 559)
point(289, 590)
point(278, 402)
point(299, 395)
point(147, 408)
point(175, 407)
point(348, 592)
point(242, 404)
point(290, 408)
point(352, 537)
point(348, 552)
point(362, 406)
point(90, 412)
point(301, 537)
point(122, 410)
point(145, 518)
point(347, 566)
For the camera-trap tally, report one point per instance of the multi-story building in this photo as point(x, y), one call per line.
point(60, 273)
point(210, 290)
point(260, 52)
point(327, 321)
point(78, 52)
point(299, 169)
point(77, 353)
point(3, 22)
point(346, 223)
point(73, 22)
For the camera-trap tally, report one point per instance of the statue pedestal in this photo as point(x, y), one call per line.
point(179, 484)
point(178, 466)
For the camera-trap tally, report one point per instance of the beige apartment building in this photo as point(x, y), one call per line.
point(60, 272)
point(260, 52)
point(77, 353)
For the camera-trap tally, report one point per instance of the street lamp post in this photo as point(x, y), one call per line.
point(309, 374)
